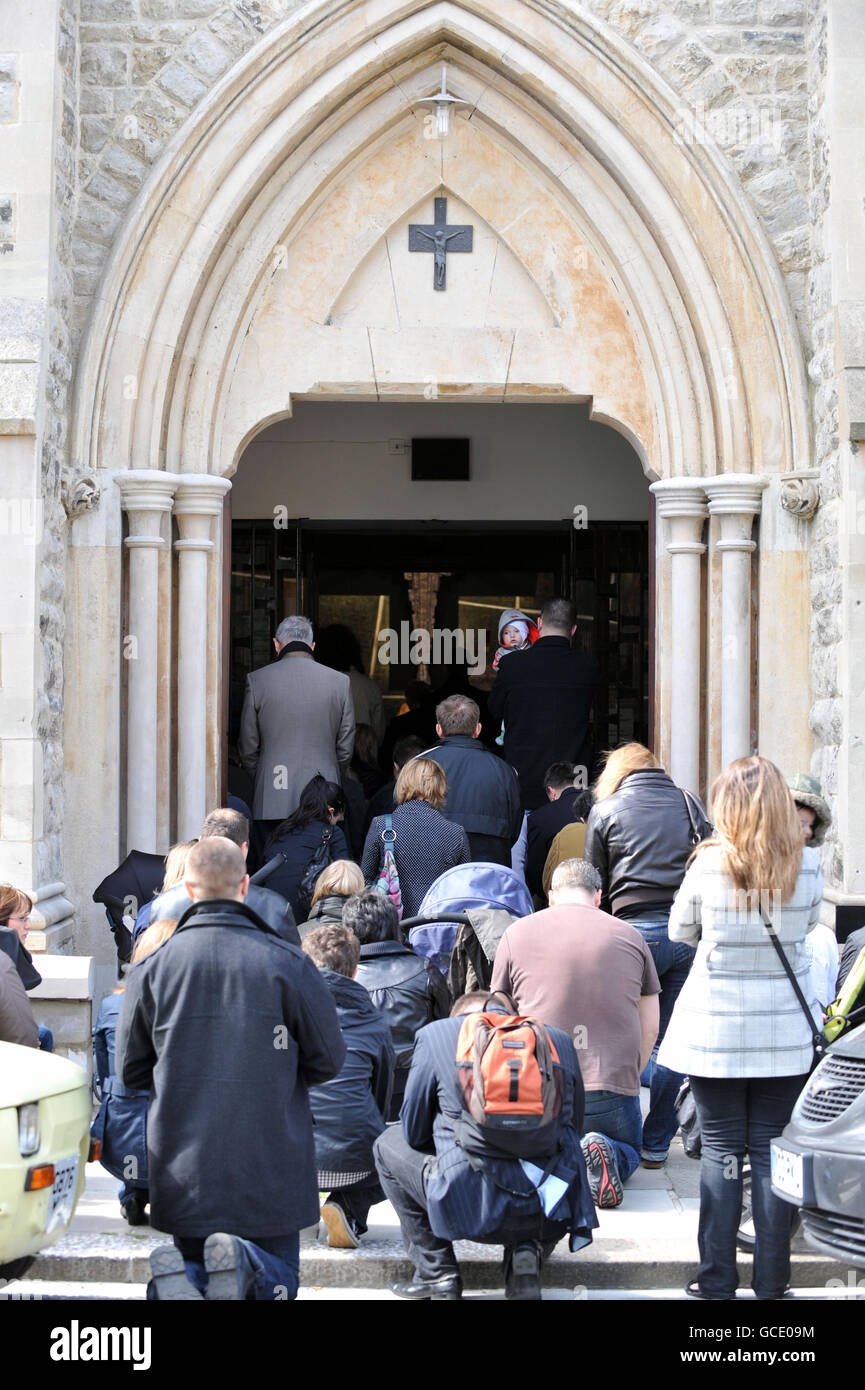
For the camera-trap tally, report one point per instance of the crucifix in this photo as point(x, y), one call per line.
point(439, 238)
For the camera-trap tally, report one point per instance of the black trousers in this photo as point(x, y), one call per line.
point(403, 1173)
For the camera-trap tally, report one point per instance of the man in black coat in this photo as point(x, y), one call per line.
point(566, 804)
point(228, 1025)
point(544, 698)
point(441, 1194)
point(483, 793)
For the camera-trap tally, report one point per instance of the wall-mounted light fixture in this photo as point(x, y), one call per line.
point(444, 103)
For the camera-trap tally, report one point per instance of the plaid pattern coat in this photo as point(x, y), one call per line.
point(737, 1014)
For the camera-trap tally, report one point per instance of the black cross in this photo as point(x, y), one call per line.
point(440, 238)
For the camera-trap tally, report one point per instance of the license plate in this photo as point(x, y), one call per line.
point(788, 1172)
point(63, 1192)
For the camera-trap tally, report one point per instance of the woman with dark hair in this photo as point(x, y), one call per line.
point(308, 840)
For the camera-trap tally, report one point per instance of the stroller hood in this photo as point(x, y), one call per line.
point(468, 886)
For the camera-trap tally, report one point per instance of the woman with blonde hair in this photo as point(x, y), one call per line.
point(738, 1028)
point(333, 887)
point(425, 844)
point(639, 834)
point(175, 872)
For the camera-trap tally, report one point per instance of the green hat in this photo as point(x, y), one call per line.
point(808, 792)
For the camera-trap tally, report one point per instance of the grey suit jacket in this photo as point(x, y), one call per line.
point(297, 721)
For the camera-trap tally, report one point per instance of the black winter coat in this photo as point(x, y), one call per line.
point(544, 696)
point(483, 793)
point(299, 847)
point(639, 840)
point(542, 827)
point(410, 992)
point(349, 1111)
point(228, 1025)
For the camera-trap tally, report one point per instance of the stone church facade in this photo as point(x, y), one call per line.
point(203, 218)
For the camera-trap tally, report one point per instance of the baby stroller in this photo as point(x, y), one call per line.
point(462, 920)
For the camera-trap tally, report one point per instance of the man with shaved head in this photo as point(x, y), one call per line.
point(228, 1024)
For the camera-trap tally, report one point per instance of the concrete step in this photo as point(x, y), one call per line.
point(649, 1242)
point(32, 1290)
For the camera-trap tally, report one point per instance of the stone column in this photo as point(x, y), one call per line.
point(735, 499)
point(199, 499)
point(146, 497)
point(681, 503)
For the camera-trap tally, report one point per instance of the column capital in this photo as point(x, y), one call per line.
point(200, 494)
point(198, 500)
point(735, 498)
point(732, 494)
point(681, 502)
point(685, 497)
point(146, 489)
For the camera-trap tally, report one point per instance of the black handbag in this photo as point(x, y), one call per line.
point(821, 1046)
point(317, 864)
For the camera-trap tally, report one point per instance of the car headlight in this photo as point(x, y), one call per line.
point(28, 1129)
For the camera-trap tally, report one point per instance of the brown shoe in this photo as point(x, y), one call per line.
point(652, 1162)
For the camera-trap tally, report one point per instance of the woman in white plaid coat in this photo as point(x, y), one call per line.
point(737, 1028)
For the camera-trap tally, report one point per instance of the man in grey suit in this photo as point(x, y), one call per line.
point(297, 721)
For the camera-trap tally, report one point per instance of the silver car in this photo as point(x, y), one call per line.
point(818, 1163)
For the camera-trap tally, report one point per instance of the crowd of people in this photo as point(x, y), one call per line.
point(279, 1054)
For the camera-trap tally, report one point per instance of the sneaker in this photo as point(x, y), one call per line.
point(523, 1278)
point(168, 1276)
point(341, 1231)
point(226, 1273)
point(604, 1181)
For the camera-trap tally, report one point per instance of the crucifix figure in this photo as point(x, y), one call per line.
point(439, 238)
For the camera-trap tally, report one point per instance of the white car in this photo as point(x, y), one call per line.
point(45, 1114)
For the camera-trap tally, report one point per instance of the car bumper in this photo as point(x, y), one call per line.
point(829, 1188)
point(25, 1216)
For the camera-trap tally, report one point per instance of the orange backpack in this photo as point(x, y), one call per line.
point(511, 1084)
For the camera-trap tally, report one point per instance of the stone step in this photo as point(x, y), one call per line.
point(650, 1242)
point(38, 1290)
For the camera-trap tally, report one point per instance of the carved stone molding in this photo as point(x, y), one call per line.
point(799, 493)
point(79, 492)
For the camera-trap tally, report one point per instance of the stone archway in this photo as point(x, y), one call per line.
point(648, 288)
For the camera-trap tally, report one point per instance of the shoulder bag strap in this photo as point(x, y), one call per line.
point(696, 837)
point(819, 1039)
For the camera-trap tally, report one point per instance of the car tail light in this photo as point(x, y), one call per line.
point(95, 1151)
point(40, 1176)
point(28, 1129)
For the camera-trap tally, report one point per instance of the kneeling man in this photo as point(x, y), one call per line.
point(448, 1179)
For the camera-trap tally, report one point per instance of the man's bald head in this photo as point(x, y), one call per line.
point(216, 868)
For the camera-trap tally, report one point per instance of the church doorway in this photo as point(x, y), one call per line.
point(391, 577)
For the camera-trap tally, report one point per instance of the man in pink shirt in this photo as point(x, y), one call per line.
point(590, 974)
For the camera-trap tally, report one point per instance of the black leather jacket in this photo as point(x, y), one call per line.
point(410, 991)
point(640, 838)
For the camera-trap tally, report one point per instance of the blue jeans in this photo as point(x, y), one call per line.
point(672, 962)
point(739, 1115)
point(618, 1119)
point(270, 1263)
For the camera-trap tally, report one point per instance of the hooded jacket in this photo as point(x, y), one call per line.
point(349, 1111)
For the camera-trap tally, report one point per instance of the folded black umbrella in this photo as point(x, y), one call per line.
point(124, 892)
